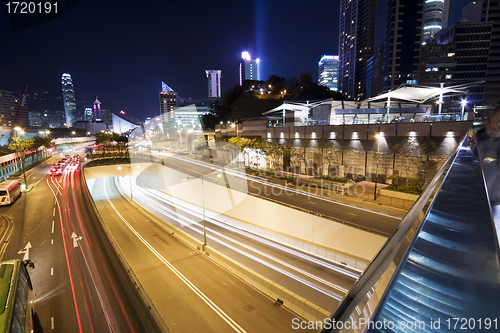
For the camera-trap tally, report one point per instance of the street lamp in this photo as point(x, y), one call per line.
point(464, 103)
point(378, 136)
point(180, 136)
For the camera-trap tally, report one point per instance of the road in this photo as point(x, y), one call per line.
point(191, 292)
point(76, 289)
point(377, 219)
point(320, 281)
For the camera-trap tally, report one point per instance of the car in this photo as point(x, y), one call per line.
point(72, 166)
point(55, 164)
point(55, 171)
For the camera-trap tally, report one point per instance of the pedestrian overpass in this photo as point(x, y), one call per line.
point(446, 252)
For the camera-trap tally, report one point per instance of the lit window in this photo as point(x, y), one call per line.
point(435, 69)
point(428, 69)
point(451, 54)
point(448, 77)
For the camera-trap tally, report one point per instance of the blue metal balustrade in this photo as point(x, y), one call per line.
point(449, 277)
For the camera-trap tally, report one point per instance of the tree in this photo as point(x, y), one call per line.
point(21, 146)
point(409, 153)
point(427, 147)
point(121, 143)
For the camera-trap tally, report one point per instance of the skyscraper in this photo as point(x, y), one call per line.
point(403, 39)
point(88, 115)
point(356, 43)
point(168, 100)
point(436, 17)
point(213, 82)
point(491, 13)
point(249, 68)
point(97, 110)
point(328, 70)
point(68, 99)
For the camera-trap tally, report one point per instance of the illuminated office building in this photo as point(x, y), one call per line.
point(403, 39)
point(97, 110)
point(168, 100)
point(249, 68)
point(356, 43)
point(88, 114)
point(436, 17)
point(68, 98)
point(213, 77)
point(328, 70)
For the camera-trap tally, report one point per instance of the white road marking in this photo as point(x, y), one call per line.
point(26, 251)
point(51, 241)
point(54, 212)
point(52, 323)
point(51, 271)
point(352, 214)
point(198, 292)
point(52, 226)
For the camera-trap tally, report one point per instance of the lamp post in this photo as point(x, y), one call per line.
point(378, 136)
point(180, 136)
point(464, 103)
point(203, 203)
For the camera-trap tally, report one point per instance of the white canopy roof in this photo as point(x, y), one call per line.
point(291, 107)
point(420, 94)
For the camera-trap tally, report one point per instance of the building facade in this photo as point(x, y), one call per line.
point(403, 39)
point(97, 110)
point(168, 101)
point(9, 106)
point(249, 68)
point(88, 115)
point(436, 17)
point(491, 13)
point(68, 98)
point(356, 43)
point(459, 55)
point(213, 77)
point(328, 70)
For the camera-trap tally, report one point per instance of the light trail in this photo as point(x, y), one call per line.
point(188, 283)
point(266, 183)
point(190, 223)
point(67, 260)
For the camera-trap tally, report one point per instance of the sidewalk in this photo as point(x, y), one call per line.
point(29, 173)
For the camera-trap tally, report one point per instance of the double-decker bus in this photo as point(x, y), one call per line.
point(9, 192)
point(16, 297)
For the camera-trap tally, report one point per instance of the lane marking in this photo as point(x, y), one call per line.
point(51, 271)
point(198, 292)
point(52, 226)
point(52, 323)
point(51, 241)
point(54, 212)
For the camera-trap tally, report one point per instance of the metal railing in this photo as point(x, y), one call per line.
point(366, 298)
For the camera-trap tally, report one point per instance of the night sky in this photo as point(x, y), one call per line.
point(120, 51)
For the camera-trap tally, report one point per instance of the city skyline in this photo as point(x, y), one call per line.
point(132, 60)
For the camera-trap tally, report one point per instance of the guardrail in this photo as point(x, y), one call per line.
point(434, 252)
point(144, 306)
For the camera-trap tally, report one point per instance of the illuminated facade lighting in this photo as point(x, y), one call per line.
point(248, 68)
point(436, 17)
point(213, 77)
point(328, 70)
point(68, 98)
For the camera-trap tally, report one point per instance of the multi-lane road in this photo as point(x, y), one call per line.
point(77, 288)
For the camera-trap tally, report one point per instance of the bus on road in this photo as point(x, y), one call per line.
point(9, 192)
point(16, 297)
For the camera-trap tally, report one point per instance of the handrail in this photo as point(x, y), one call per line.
point(388, 252)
